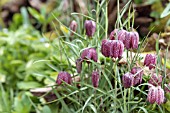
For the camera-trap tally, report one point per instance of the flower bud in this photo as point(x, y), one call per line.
point(64, 76)
point(90, 27)
point(155, 80)
point(150, 61)
point(131, 40)
point(79, 65)
point(127, 80)
point(156, 94)
point(116, 49)
point(95, 78)
point(89, 53)
point(73, 26)
point(138, 73)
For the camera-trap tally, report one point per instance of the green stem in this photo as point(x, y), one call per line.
point(106, 19)
point(125, 108)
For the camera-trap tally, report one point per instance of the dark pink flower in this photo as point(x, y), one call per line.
point(138, 73)
point(105, 49)
point(131, 40)
point(156, 94)
point(64, 76)
point(112, 48)
point(79, 65)
point(73, 26)
point(120, 34)
point(127, 80)
point(90, 27)
point(95, 78)
point(116, 49)
point(152, 95)
point(89, 53)
point(150, 61)
point(155, 80)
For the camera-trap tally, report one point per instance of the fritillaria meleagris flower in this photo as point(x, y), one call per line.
point(73, 26)
point(90, 27)
point(156, 95)
point(138, 73)
point(127, 80)
point(112, 48)
point(118, 34)
point(155, 80)
point(95, 78)
point(105, 48)
point(131, 40)
point(89, 53)
point(79, 65)
point(64, 76)
point(150, 61)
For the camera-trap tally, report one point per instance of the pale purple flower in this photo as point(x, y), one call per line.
point(127, 80)
point(156, 95)
point(120, 34)
point(155, 80)
point(150, 61)
point(138, 73)
point(89, 53)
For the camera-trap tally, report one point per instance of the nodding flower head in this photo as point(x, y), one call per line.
point(89, 53)
point(90, 27)
point(95, 78)
point(138, 73)
point(73, 26)
point(131, 40)
point(156, 95)
point(112, 48)
point(118, 34)
point(127, 80)
point(150, 61)
point(64, 76)
point(155, 80)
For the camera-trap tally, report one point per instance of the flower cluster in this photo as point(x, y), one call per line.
point(129, 39)
point(113, 47)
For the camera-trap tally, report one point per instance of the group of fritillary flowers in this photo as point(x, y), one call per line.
point(113, 47)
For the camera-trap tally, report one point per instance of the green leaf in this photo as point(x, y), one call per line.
point(28, 85)
point(46, 109)
point(166, 11)
point(36, 15)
